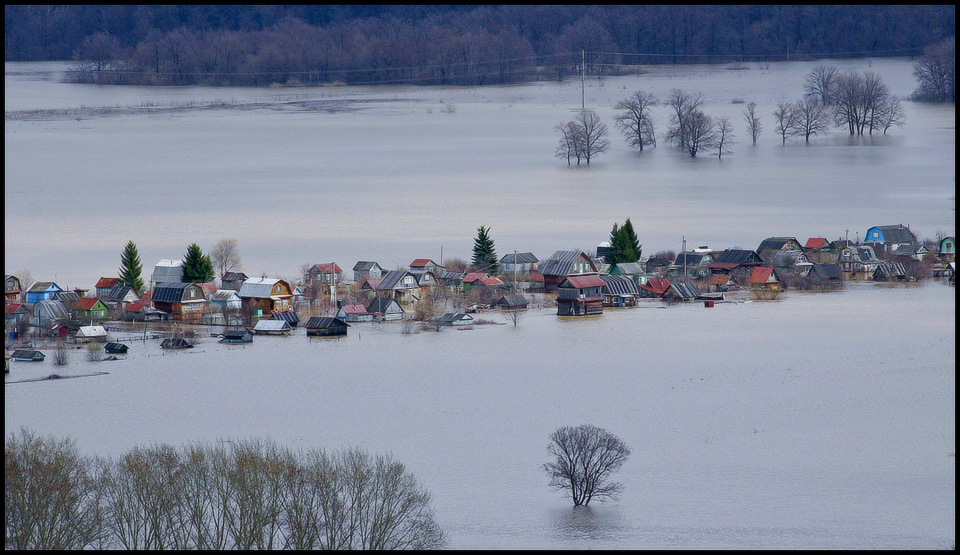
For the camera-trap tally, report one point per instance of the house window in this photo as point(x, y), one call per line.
point(876, 234)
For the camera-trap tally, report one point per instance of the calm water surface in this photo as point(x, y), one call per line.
point(815, 421)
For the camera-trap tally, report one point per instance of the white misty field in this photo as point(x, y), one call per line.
point(816, 421)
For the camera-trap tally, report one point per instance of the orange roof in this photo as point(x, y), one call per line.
point(107, 282)
point(719, 279)
point(474, 276)
point(85, 303)
point(11, 307)
point(420, 262)
point(658, 285)
point(134, 307)
point(328, 268)
point(491, 281)
point(372, 283)
point(536, 277)
point(815, 243)
point(586, 281)
point(354, 309)
point(762, 275)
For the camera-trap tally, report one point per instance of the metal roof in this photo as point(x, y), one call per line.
point(828, 271)
point(233, 276)
point(816, 243)
point(474, 276)
point(288, 316)
point(91, 331)
point(68, 298)
point(630, 268)
point(391, 279)
point(657, 261)
point(786, 259)
point(885, 271)
point(421, 262)
point(719, 279)
point(364, 265)
point(691, 258)
point(895, 234)
point(775, 243)
point(50, 309)
point(910, 250)
point(224, 295)
point(381, 305)
point(519, 258)
point(106, 282)
point(170, 292)
point(272, 325)
point(762, 274)
point(326, 268)
point(618, 285)
point(581, 282)
point(118, 292)
point(738, 256)
point(86, 303)
point(324, 322)
point(685, 290)
point(43, 286)
point(658, 285)
point(561, 262)
point(169, 263)
point(259, 288)
point(452, 318)
point(354, 309)
point(511, 301)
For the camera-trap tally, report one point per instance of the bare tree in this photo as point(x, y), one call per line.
point(698, 132)
point(514, 315)
point(95, 352)
point(585, 457)
point(569, 145)
point(891, 114)
point(821, 84)
point(61, 356)
point(813, 118)
point(754, 125)
point(936, 72)
point(456, 264)
point(635, 121)
point(26, 280)
point(681, 104)
point(787, 120)
point(875, 95)
point(724, 136)
point(848, 102)
point(592, 134)
point(225, 256)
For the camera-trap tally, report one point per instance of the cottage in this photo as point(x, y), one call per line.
point(720, 283)
point(764, 280)
point(826, 276)
point(226, 299)
point(619, 291)
point(385, 309)
point(737, 262)
point(354, 313)
point(565, 263)
point(42, 291)
point(25, 355)
point(60, 331)
point(48, 313)
point(681, 292)
point(657, 264)
point(890, 272)
point(182, 301)
point(233, 280)
point(175, 343)
point(890, 236)
point(120, 295)
point(238, 335)
point(912, 252)
point(140, 311)
point(815, 243)
point(91, 333)
point(481, 280)
point(580, 295)
point(520, 262)
point(450, 279)
point(272, 327)
point(790, 262)
point(364, 270)
point(327, 273)
point(695, 264)
point(167, 270)
point(947, 250)
point(511, 302)
point(771, 245)
point(14, 313)
point(89, 309)
point(424, 265)
point(426, 279)
point(400, 285)
point(453, 319)
point(655, 288)
point(857, 262)
point(535, 283)
point(261, 296)
point(115, 348)
point(325, 326)
point(633, 270)
point(289, 316)
point(105, 284)
point(11, 288)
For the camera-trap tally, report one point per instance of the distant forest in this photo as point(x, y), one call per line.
point(259, 45)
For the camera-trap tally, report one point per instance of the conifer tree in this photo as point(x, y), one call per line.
point(484, 254)
point(197, 267)
point(130, 267)
point(633, 243)
point(624, 245)
point(613, 257)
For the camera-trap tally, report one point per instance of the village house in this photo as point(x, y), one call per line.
point(480, 279)
point(105, 284)
point(237, 335)
point(369, 287)
point(364, 270)
point(890, 236)
point(720, 283)
point(14, 313)
point(633, 270)
point(826, 276)
point(856, 262)
point(815, 243)
point(48, 313)
point(736, 262)
point(327, 273)
point(426, 280)
point(654, 288)
point(565, 263)
point(272, 327)
point(697, 265)
point(91, 333)
point(89, 309)
point(68, 298)
point(167, 270)
point(452, 280)
point(385, 309)
point(619, 291)
point(510, 302)
point(678, 292)
point(657, 265)
point(181, 301)
point(452, 319)
point(290, 316)
point(325, 326)
point(790, 263)
point(11, 288)
point(27, 355)
point(603, 249)
point(890, 272)
point(520, 262)
point(764, 280)
point(141, 311)
point(580, 295)
point(120, 296)
point(912, 252)
point(226, 300)
point(261, 296)
point(354, 313)
point(424, 265)
point(947, 251)
point(42, 291)
point(233, 280)
point(771, 245)
point(400, 285)
point(535, 283)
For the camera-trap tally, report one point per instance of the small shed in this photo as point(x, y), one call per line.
point(239, 335)
point(384, 309)
point(289, 317)
point(453, 319)
point(175, 343)
point(115, 348)
point(890, 272)
point(272, 327)
point(619, 291)
point(354, 313)
point(326, 326)
point(511, 302)
point(91, 333)
point(764, 277)
point(28, 356)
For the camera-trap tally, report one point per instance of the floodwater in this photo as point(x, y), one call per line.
point(306, 175)
point(815, 421)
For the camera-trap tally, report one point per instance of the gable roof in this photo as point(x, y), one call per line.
point(691, 258)
point(581, 282)
point(828, 271)
point(894, 234)
point(561, 263)
point(381, 305)
point(738, 256)
point(910, 250)
point(684, 290)
point(474, 276)
point(118, 292)
point(658, 261)
point(452, 318)
point(658, 285)
point(323, 322)
point(815, 243)
point(719, 279)
point(775, 243)
point(519, 258)
point(43, 286)
point(885, 271)
point(272, 325)
point(358, 309)
point(66, 297)
point(421, 262)
point(91, 331)
point(106, 282)
point(618, 285)
point(233, 276)
point(364, 266)
point(169, 292)
point(87, 303)
point(630, 268)
point(763, 274)
point(225, 295)
point(288, 316)
point(786, 259)
point(511, 301)
point(260, 288)
point(326, 268)
point(392, 279)
point(370, 283)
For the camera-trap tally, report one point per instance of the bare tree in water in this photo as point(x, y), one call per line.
point(724, 136)
point(585, 457)
point(754, 125)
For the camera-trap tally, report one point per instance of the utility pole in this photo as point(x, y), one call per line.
point(514, 271)
point(583, 65)
point(683, 250)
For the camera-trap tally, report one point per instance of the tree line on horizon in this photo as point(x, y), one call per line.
point(260, 45)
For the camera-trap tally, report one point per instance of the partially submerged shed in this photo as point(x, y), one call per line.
point(326, 326)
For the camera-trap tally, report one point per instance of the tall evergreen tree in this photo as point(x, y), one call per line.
point(130, 267)
point(484, 254)
point(633, 243)
point(197, 267)
point(624, 245)
point(613, 257)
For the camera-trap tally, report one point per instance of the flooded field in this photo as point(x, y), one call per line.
point(394, 173)
point(816, 421)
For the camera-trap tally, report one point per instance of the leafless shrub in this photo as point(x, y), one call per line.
point(61, 356)
point(95, 352)
point(585, 457)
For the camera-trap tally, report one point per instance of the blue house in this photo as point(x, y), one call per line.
point(42, 291)
point(890, 235)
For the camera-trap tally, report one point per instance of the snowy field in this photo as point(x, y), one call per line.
point(305, 175)
point(815, 421)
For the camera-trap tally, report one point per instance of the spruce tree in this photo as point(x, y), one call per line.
point(484, 254)
point(632, 242)
point(130, 268)
point(614, 255)
point(197, 267)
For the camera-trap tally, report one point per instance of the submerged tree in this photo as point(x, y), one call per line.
point(754, 125)
point(787, 118)
point(634, 120)
point(584, 458)
point(682, 105)
point(197, 267)
point(724, 136)
point(936, 72)
point(821, 84)
point(130, 267)
point(813, 118)
point(484, 253)
point(698, 132)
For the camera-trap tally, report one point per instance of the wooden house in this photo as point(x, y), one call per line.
point(42, 291)
point(696, 265)
point(180, 300)
point(11, 288)
point(426, 279)
point(289, 316)
point(451, 280)
point(120, 295)
point(912, 252)
point(365, 269)
point(826, 276)
point(947, 251)
point(91, 333)
point(272, 327)
point(890, 272)
point(327, 273)
point(226, 299)
point(167, 270)
point(14, 313)
point(385, 309)
point(480, 279)
point(657, 265)
point(565, 263)
point(233, 280)
point(175, 343)
point(790, 263)
point(354, 313)
point(535, 283)
point(27, 355)
point(511, 302)
point(141, 311)
point(261, 296)
point(580, 295)
point(326, 326)
point(89, 309)
point(737, 263)
point(105, 284)
point(521, 262)
point(654, 288)
point(764, 280)
point(816, 243)
point(719, 283)
point(237, 335)
point(771, 245)
point(633, 270)
point(115, 348)
point(890, 236)
point(424, 265)
point(681, 291)
point(857, 262)
point(400, 285)
point(619, 291)
point(369, 288)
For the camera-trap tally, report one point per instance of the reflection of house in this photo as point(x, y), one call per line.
point(262, 295)
point(580, 295)
point(521, 262)
point(385, 309)
point(857, 262)
point(364, 270)
point(42, 291)
point(890, 236)
point(948, 249)
point(182, 301)
point(11, 288)
point(562, 264)
point(619, 291)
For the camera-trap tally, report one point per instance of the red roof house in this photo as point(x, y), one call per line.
point(655, 287)
point(816, 243)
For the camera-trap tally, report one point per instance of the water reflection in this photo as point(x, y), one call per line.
point(604, 524)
